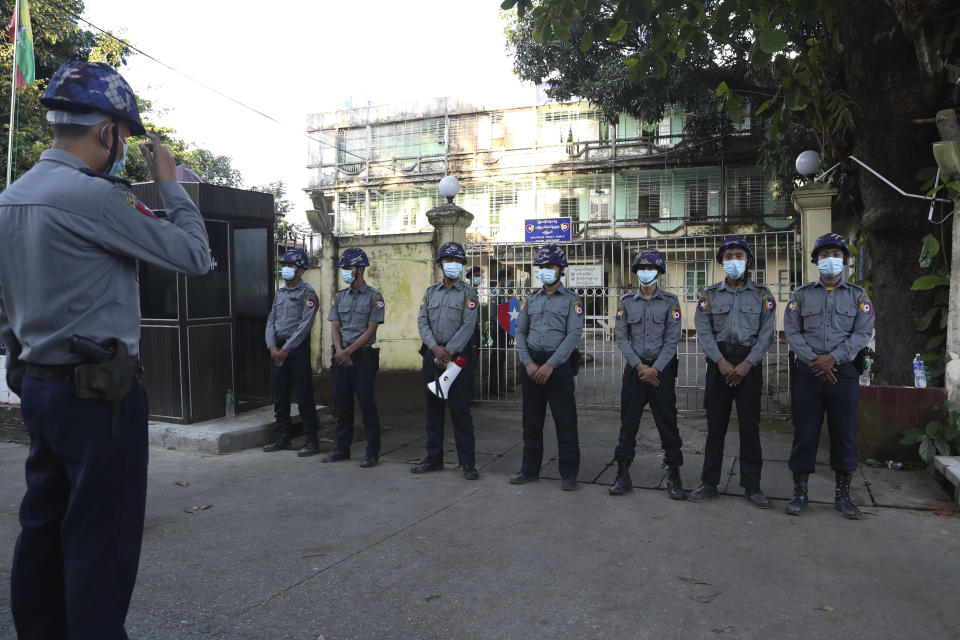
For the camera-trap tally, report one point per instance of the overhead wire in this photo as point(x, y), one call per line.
point(127, 45)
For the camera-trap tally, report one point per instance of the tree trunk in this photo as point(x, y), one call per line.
point(883, 80)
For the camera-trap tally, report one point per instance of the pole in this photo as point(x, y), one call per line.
point(13, 89)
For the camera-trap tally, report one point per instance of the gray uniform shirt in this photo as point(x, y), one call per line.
point(291, 318)
point(550, 322)
point(355, 309)
point(448, 316)
point(837, 321)
point(648, 329)
point(67, 244)
point(742, 317)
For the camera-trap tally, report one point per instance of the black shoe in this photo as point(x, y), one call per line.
point(471, 473)
point(568, 484)
point(425, 466)
point(798, 504)
point(521, 478)
point(675, 484)
point(622, 484)
point(310, 448)
point(281, 443)
point(842, 502)
point(369, 461)
point(335, 456)
point(703, 493)
point(757, 499)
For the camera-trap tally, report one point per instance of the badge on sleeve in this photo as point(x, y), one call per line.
point(380, 302)
point(471, 303)
point(794, 303)
point(770, 303)
point(865, 305)
point(578, 308)
point(310, 301)
point(620, 311)
point(676, 312)
point(702, 305)
point(139, 206)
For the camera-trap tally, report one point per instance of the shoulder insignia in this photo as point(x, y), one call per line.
point(865, 305)
point(794, 303)
point(703, 304)
point(310, 301)
point(769, 302)
point(578, 308)
point(675, 313)
point(620, 311)
point(471, 303)
point(380, 302)
point(104, 176)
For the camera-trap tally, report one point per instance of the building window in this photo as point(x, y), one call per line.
point(695, 281)
point(759, 274)
point(695, 198)
point(745, 194)
point(599, 204)
point(783, 284)
point(352, 149)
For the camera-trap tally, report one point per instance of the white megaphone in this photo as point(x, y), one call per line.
point(441, 385)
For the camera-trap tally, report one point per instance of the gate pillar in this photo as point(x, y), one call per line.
point(813, 202)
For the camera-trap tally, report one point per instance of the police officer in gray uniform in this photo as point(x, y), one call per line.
point(735, 324)
point(827, 323)
point(288, 338)
point(70, 233)
point(448, 315)
point(355, 315)
point(648, 331)
point(548, 332)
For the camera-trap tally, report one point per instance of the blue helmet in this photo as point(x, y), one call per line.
point(296, 257)
point(353, 257)
point(551, 254)
point(649, 257)
point(85, 87)
point(452, 250)
point(735, 242)
point(827, 241)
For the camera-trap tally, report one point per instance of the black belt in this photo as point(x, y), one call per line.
point(55, 372)
point(539, 357)
point(734, 350)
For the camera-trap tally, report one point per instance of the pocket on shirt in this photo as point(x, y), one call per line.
point(844, 319)
point(345, 305)
point(751, 313)
point(555, 320)
point(720, 316)
point(812, 318)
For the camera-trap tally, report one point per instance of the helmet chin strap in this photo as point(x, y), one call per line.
point(113, 147)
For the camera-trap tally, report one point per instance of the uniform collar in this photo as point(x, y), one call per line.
point(457, 284)
point(843, 283)
point(362, 289)
point(298, 286)
point(656, 294)
point(63, 157)
point(559, 289)
point(750, 284)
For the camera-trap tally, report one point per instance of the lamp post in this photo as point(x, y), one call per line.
point(449, 220)
point(947, 155)
point(814, 202)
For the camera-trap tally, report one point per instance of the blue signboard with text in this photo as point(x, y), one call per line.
point(547, 230)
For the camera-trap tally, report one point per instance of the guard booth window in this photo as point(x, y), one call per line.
point(208, 296)
point(251, 261)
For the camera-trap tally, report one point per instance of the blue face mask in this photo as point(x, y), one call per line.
point(478, 281)
point(647, 276)
point(452, 270)
point(119, 163)
point(830, 267)
point(734, 268)
point(288, 273)
point(547, 276)
point(346, 275)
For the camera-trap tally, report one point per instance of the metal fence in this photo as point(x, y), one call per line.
point(599, 272)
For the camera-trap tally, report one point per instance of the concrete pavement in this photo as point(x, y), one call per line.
point(295, 549)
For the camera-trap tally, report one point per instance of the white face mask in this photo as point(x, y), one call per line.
point(647, 276)
point(288, 273)
point(477, 281)
point(734, 268)
point(346, 275)
point(547, 276)
point(830, 267)
point(452, 270)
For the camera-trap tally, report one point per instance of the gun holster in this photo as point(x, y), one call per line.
point(108, 380)
point(16, 368)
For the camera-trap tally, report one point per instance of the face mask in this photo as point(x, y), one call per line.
point(647, 276)
point(452, 270)
point(288, 273)
point(120, 163)
point(830, 267)
point(346, 275)
point(478, 281)
point(734, 268)
point(547, 276)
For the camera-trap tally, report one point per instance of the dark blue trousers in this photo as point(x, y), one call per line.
point(811, 400)
point(295, 374)
point(719, 400)
point(634, 396)
point(81, 519)
point(558, 392)
point(458, 399)
point(356, 379)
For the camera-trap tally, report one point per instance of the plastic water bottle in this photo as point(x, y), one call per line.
point(231, 409)
point(919, 373)
point(865, 376)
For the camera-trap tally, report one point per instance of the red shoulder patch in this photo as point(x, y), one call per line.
point(145, 210)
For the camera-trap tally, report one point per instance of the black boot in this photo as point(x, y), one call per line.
point(842, 501)
point(799, 503)
point(310, 448)
point(674, 483)
point(622, 484)
point(282, 442)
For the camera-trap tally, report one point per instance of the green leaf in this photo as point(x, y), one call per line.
point(506, 5)
point(723, 90)
point(923, 322)
point(659, 66)
point(927, 450)
point(935, 341)
point(766, 105)
point(587, 41)
point(925, 283)
point(772, 40)
point(930, 357)
point(943, 447)
point(618, 31)
point(911, 436)
point(932, 428)
point(562, 30)
point(795, 98)
point(953, 406)
point(929, 250)
point(631, 62)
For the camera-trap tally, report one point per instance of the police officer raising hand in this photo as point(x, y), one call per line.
point(159, 160)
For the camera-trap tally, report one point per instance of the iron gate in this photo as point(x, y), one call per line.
point(599, 272)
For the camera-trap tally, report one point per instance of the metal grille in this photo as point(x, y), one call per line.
point(600, 272)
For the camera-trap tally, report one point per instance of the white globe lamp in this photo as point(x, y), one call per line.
point(808, 163)
point(449, 188)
